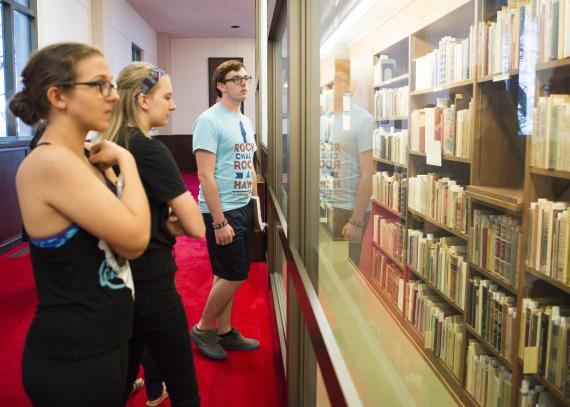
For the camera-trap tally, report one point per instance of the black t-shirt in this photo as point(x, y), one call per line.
point(162, 182)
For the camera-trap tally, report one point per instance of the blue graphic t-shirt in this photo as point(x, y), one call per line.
point(230, 136)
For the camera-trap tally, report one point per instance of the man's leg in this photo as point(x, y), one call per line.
point(219, 305)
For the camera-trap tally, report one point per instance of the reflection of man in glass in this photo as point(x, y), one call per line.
point(347, 169)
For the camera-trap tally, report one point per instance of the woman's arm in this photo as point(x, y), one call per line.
point(65, 183)
point(188, 214)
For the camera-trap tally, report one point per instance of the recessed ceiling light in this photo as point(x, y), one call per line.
point(235, 26)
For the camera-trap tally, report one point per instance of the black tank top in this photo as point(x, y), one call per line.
point(84, 309)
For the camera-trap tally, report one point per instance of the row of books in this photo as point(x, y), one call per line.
point(447, 124)
point(440, 199)
point(486, 379)
point(498, 42)
point(548, 244)
point(390, 103)
point(451, 61)
point(534, 394)
point(442, 330)
point(550, 141)
point(390, 144)
point(545, 327)
point(389, 234)
point(441, 261)
point(493, 314)
point(391, 190)
point(389, 278)
point(495, 243)
point(553, 28)
point(384, 69)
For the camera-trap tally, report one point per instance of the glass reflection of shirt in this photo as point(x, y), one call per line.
point(342, 143)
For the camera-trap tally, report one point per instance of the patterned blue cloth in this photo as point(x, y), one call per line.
point(58, 240)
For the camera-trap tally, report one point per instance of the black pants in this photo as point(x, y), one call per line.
point(160, 323)
point(93, 382)
point(152, 376)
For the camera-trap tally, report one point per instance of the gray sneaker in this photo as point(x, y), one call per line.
point(208, 343)
point(236, 341)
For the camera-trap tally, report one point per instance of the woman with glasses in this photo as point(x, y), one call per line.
point(80, 232)
point(160, 320)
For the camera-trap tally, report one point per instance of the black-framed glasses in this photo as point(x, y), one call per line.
point(105, 87)
point(237, 80)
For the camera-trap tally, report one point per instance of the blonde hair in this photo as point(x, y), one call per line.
point(129, 84)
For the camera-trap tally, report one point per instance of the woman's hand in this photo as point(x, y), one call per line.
point(106, 154)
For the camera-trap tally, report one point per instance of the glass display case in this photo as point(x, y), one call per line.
point(444, 198)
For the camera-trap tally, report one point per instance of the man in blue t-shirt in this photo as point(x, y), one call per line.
point(224, 146)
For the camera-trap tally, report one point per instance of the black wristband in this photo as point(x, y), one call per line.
point(356, 223)
point(219, 225)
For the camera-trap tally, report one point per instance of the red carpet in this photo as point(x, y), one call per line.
point(245, 379)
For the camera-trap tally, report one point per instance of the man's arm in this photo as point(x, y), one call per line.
point(364, 189)
point(254, 182)
point(352, 232)
point(206, 162)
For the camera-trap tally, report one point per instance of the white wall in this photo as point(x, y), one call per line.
point(189, 74)
point(116, 25)
point(64, 20)
point(112, 25)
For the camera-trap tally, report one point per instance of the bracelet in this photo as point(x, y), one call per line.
point(358, 224)
point(219, 225)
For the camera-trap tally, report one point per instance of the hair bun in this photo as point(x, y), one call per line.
point(22, 107)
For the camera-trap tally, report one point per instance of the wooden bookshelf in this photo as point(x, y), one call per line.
point(397, 262)
point(509, 199)
point(444, 157)
point(444, 88)
point(557, 63)
point(495, 277)
point(396, 80)
point(498, 173)
point(436, 223)
point(488, 346)
point(550, 173)
point(387, 209)
point(392, 119)
point(446, 376)
point(498, 77)
point(558, 284)
point(437, 290)
point(393, 163)
point(552, 388)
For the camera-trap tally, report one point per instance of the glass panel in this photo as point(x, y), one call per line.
point(24, 2)
point(23, 48)
point(459, 130)
point(282, 125)
point(3, 106)
point(365, 104)
point(322, 395)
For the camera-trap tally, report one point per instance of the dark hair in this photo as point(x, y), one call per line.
point(222, 70)
point(50, 66)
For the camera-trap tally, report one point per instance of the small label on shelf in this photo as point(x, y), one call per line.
point(501, 77)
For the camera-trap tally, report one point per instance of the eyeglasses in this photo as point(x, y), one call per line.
point(105, 87)
point(237, 80)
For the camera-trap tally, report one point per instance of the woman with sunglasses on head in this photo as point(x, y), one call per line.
point(160, 320)
point(76, 349)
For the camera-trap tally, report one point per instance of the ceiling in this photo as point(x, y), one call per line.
point(199, 18)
